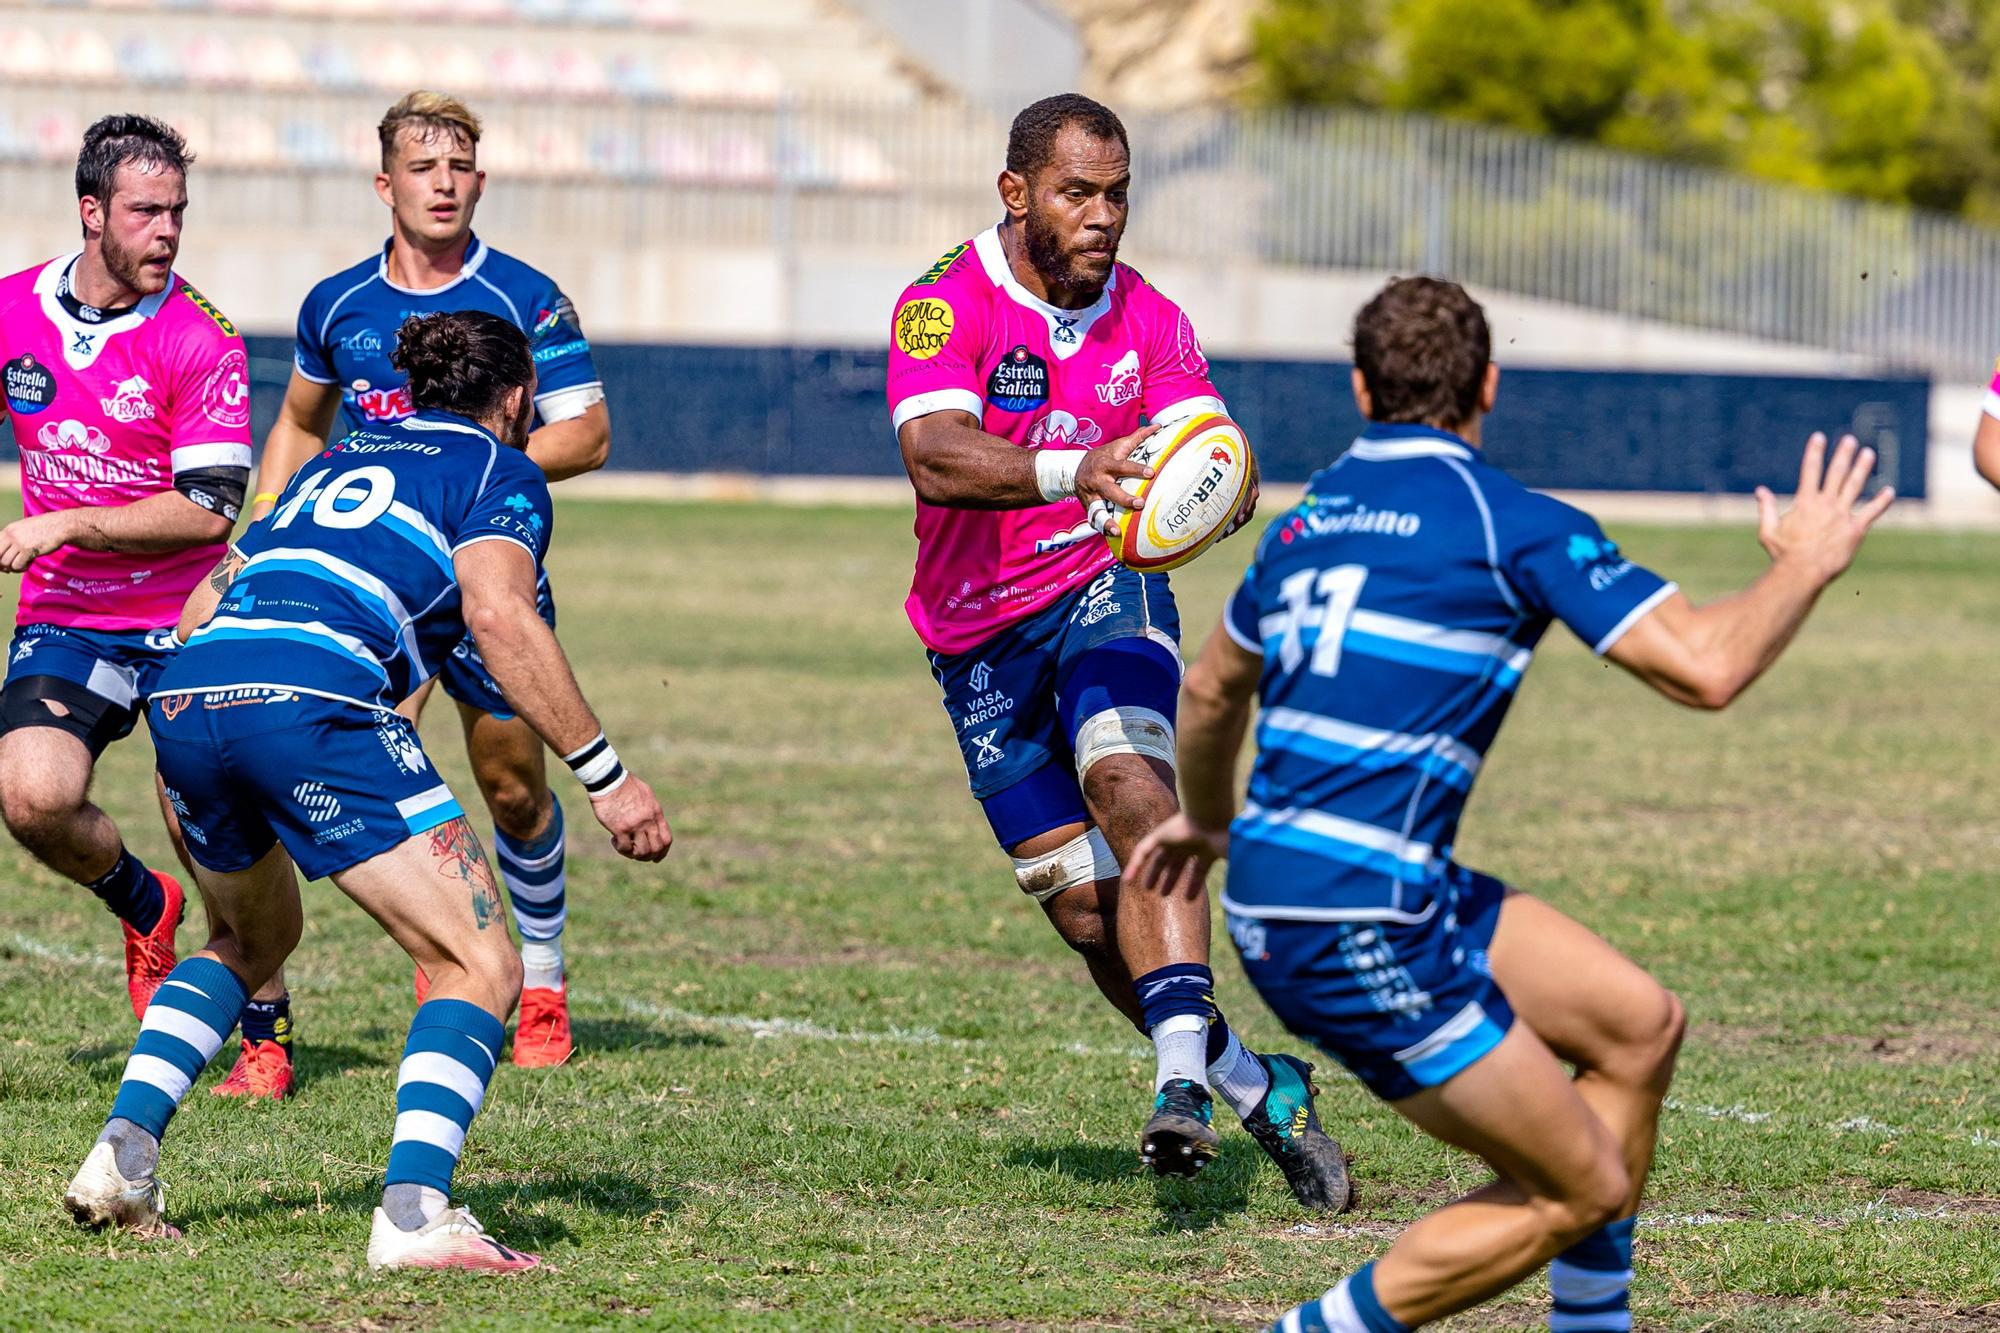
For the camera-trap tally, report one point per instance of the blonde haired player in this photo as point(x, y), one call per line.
point(433, 263)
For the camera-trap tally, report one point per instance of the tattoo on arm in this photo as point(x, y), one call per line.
point(455, 847)
point(226, 570)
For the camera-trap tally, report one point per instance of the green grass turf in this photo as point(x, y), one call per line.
point(835, 1071)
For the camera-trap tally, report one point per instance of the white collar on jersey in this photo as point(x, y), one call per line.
point(83, 343)
point(1067, 328)
point(475, 255)
point(1410, 443)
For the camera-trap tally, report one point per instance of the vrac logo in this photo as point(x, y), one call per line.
point(319, 804)
point(127, 402)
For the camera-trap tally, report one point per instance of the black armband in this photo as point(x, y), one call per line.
point(220, 490)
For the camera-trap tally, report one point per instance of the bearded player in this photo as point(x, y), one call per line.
point(129, 397)
point(1022, 364)
point(433, 262)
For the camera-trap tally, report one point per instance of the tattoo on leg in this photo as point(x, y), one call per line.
point(459, 856)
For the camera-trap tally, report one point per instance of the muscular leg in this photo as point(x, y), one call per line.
point(510, 764)
point(1086, 917)
point(44, 797)
point(1130, 795)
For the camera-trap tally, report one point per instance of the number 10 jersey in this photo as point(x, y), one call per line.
point(348, 591)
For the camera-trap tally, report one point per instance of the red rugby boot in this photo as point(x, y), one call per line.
point(148, 958)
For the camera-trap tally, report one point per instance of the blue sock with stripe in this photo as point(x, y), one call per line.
point(188, 1021)
point(1350, 1307)
point(534, 875)
point(132, 892)
point(1591, 1282)
point(447, 1063)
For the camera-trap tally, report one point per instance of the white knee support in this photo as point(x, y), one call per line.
point(1084, 859)
point(1139, 731)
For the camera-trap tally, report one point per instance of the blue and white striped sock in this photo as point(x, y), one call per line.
point(447, 1063)
point(191, 1016)
point(1591, 1282)
point(534, 875)
point(1350, 1307)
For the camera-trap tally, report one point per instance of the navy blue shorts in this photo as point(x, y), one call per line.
point(334, 782)
point(111, 671)
point(465, 678)
point(1403, 1006)
point(1016, 700)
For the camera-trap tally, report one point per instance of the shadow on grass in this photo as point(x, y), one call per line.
point(314, 1061)
point(517, 1210)
point(1222, 1188)
point(618, 1034)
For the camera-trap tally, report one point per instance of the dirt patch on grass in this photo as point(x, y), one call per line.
point(1894, 1046)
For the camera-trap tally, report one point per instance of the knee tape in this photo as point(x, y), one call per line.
point(1084, 859)
point(1140, 731)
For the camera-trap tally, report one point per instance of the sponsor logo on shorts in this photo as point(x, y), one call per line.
point(180, 807)
point(1099, 599)
point(217, 700)
point(225, 395)
point(128, 403)
point(923, 327)
point(987, 703)
point(988, 753)
point(202, 304)
point(1251, 938)
point(943, 265)
point(403, 748)
point(337, 832)
point(1020, 383)
point(28, 385)
point(173, 705)
point(25, 650)
point(319, 804)
point(980, 677)
point(1122, 385)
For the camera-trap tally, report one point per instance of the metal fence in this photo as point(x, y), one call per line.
point(1320, 190)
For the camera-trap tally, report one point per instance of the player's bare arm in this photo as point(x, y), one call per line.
point(166, 522)
point(1705, 656)
point(201, 602)
point(304, 419)
point(1986, 448)
point(498, 584)
point(1217, 700)
point(952, 462)
point(572, 447)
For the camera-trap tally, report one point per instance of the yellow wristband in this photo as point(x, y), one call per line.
point(263, 496)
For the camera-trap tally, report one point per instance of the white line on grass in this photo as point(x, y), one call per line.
point(57, 953)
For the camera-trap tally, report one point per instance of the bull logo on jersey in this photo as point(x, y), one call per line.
point(127, 402)
point(1123, 386)
point(72, 434)
point(225, 395)
point(383, 404)
point(1061, 430)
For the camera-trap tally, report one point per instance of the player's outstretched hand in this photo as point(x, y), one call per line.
point(1824, 528)
point(1098, 476)
point(633, 816)
point(25, 538)
point(1174, 858)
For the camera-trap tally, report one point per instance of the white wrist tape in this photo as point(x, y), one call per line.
point(1055, 472)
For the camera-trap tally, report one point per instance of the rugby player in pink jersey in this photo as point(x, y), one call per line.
point(129, 396)
point(1022, 366)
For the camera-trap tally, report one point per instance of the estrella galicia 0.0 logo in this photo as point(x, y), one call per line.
point(1020, 383)
point(28, 385)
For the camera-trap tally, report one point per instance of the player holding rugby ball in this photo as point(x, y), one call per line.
point(1020, 367)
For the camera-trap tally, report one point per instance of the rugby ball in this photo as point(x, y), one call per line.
point(1202, 471)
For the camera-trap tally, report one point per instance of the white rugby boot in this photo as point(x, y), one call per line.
point(100, 1196)
point(452, 1239)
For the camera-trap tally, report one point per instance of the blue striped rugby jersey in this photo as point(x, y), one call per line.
point(1396, 608)
point(349, 591)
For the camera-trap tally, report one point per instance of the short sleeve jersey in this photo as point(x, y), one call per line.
point(347, 330)
point(1396, 608)
point(349, 590)
point(106, 413)
point(968, 337)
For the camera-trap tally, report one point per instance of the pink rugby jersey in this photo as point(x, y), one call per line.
point(968, 337)
point(105, 414)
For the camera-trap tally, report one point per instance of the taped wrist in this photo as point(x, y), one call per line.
point(1055, 472)
point(596, 766)
point(220, 490)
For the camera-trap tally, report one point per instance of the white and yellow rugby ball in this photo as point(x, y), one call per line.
point(1202, 471)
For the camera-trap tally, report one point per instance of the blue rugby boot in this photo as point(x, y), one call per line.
point(1178, 1140)
point(1286, 1127)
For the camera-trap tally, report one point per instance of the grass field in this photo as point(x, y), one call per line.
point(835, 1071)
